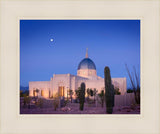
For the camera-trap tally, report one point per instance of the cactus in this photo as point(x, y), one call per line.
point(82, 96)
point(109, 91)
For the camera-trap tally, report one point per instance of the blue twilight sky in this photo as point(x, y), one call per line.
point(112, 43)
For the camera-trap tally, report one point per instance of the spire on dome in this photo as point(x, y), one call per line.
point(87, 53)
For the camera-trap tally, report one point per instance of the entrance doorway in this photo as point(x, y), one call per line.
point(61, 91)
point(42, 93)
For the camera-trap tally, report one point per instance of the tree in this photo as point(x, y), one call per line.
point(71, 94)
point(91, 92)
point(88, 92)
point(24, 93)
point(80, 93)
point(94, 93)
point(21, 93)
point(101, 95)
point(34, 93)
point(37, 91)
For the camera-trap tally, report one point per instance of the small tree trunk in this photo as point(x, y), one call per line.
point(102, 102)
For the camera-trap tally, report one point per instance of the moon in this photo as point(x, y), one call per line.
point(51, 40)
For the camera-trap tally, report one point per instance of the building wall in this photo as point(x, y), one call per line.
point(42, 86)
point(61, 80)
point(124, 100)
point(120, 83)
point(86, 72)
point(72, 82)
point(98, 83)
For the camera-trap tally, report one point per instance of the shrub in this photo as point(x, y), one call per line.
point(66, 102)
point(116, 91)
point(27, 101)
point(55, 101)
point(40, 103)
point(101, 96)
point(24, 93)
point(129, 91)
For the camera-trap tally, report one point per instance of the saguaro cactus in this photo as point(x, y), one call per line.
point(82, 96)
point(109, 91)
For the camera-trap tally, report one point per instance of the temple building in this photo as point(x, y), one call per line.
point(61, 83)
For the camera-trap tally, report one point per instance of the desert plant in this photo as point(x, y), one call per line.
point(101, 96)
point(24, 93)
point(109, 91)
point(80, 93)
point(82, 96)
point(116, 91)
point(94, 93)
point(129, 91)
point(71, 94)
point(37, 91)
point(77, 93)
point(55, 101)
point(49, 93)
point(88, 92)
point(40, 103)
point(21, 93)
point(34, 93)
point(65, 102)
point(136, 87)
point(91, 92)
point(27, 101)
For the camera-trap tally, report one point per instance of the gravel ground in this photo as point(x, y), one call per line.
point(73, 108)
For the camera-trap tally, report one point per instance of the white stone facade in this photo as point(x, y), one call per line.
point(72, 82)
point(62, 82)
